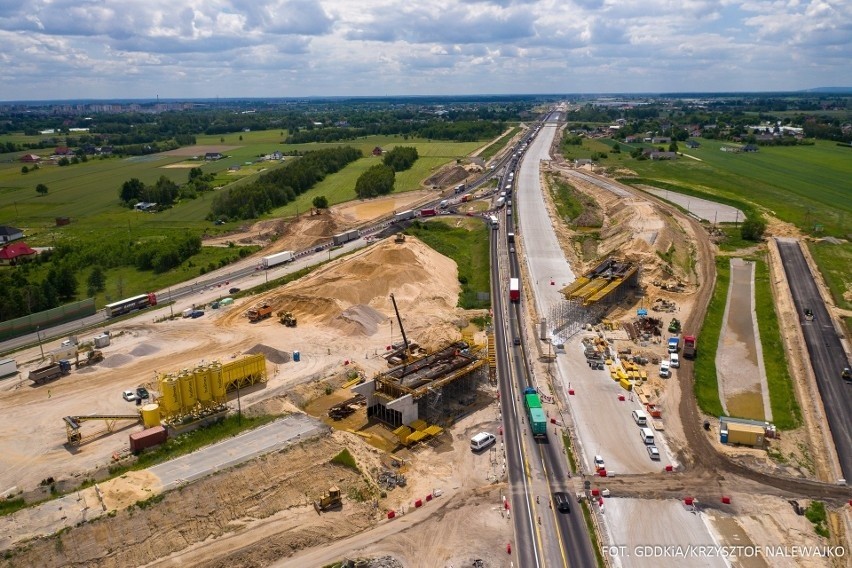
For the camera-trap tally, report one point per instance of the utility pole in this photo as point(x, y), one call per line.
point(40, 348)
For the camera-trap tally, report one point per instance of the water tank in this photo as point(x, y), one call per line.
point(217, 382)
point(151, 415)
point(170, 394)
point(202, 384)
point(188, 396)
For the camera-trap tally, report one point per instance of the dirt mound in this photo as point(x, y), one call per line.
point(306, 232)
point(116, 360)
point(144, 349)
point(449, 177)
point(424, 283)
point(359, 319)
point(273, 355)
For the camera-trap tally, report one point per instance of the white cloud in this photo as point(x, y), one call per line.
point(120, 48)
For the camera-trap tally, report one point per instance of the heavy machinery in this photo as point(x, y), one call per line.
point(287, 318)
point(846, 374)
point(50, 372)
point(260, 312)
point(329, 501)
point(399, 238)
point(91, 358)
point(674, 326)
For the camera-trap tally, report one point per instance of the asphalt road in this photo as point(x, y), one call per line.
point(826, 352)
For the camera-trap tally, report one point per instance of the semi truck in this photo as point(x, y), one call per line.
point(428, 212)
point(345, 237)
point(514, 290)
point(495, 224)
point(510, 238)
point(404, 215)
point(690, 347)
point(277, 258)
point(501, 202)
point(50, 372)
point(537, 418)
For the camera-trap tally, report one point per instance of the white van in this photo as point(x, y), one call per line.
point(665, 370)
point(482, 441)
point(674, 361)
point(647, 435)
point(640, 418)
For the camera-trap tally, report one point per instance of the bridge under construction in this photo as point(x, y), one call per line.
point(592, 295)
point(432, 389)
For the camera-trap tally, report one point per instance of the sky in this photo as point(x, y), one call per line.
point(142, 49)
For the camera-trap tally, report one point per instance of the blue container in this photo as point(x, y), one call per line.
point(296, 356)
point(724, 436)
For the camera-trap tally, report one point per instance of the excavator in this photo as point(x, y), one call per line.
point(287, 318)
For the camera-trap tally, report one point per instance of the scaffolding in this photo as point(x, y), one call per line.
point(591, 296)
point(439, 385)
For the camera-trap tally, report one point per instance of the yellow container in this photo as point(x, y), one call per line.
point(188, 396)
point(217, 382)
point(151, 415)
point(625, 384)
point(170, 394)
point(202, 385)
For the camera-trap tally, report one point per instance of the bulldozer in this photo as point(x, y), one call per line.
point(329, 501)
point(287, 318)
point(399, 238)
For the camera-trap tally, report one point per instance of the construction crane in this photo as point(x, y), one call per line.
point(402, 329)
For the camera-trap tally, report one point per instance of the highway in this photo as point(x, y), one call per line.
point(825, 350)
point(544, 536)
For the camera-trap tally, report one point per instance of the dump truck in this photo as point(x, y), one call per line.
point(50, 372)
point(690, 347)
point(260, 312)
point(277, 258)
point(287, 319)
point(91, 357)
point(329, 501)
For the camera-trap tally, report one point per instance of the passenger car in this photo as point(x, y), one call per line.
point(233, 290)
point(142, 393)
point(563, 502)
point(599, 463)
point(129, 395)
point(653, 453)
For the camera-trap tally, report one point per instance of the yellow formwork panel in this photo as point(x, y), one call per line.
point(419, 425)
point(416, 437)
point(433, 430)
point(605, 290)
point(575, 285)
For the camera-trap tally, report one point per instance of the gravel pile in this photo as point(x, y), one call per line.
point(143, 350)
point(378, 562)
point(361, 318)
point(274, 355)
point(116, 360)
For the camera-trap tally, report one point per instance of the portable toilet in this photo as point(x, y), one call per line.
point(296, 357)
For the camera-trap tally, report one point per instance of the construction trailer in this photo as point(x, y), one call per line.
point(433, 389)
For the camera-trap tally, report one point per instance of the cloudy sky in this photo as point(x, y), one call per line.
point(61, 49)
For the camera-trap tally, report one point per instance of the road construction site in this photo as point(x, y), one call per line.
point(449, 508)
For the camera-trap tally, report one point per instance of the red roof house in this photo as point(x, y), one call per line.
point(10, 254)
point(30, 158)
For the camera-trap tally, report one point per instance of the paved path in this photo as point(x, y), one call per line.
point(237, 450)
point(701, 208)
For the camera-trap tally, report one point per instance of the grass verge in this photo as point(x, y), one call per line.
point(469, 248)
point(587, 514)
point(834, 261)
point(498, 144)
point(706, 382)
point(345, 459)
point(815, 513)
point(569, 451)
point(786, 414)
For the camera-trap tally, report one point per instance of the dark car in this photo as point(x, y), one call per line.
point(233, 290)
point(142, 393)
point(517, 341)
point(563, 502)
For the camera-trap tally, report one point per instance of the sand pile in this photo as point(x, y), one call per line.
point(144, 349)
point(359, 319)
point(116, 360)
point(272, 355)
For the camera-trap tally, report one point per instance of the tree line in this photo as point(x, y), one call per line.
point(282, 185)
point(164, 192)
point(434, 129)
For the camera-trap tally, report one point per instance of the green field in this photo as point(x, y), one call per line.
point(468, 246)
point(835, 263)
point(803, 185)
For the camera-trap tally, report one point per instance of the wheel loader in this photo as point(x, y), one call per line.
point(287, 318)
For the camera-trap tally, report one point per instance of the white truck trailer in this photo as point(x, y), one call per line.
point(277, 258)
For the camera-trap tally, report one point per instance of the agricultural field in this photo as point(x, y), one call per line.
point(803, 185)
point(835, 262)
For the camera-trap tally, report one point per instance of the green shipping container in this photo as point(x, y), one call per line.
point(538, 421)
